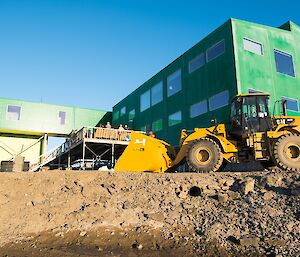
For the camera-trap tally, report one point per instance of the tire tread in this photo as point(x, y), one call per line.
point(276, 153)
point(216, 167)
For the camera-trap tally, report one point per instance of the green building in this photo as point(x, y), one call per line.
point(238, 57)
point(25, 126)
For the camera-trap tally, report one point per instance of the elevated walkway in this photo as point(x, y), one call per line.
point(85, 146)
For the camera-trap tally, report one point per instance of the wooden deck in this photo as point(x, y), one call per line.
point(89, 143)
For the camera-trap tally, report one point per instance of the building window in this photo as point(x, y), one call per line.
point(291, 104)
point(284, 63)
point(215, 51)
point(174, 83)
point(115, 115)
point(196, 63)
point(254, 91)
point(122, 111)
point(143, 128)
point(219, 100)
point(252, 46)
point(13, 112)
point(174, 118)
point(145, 101)
point(198, 109)
point(157, 93)
point(62, 118)
point(157, 125)
point(131, 114)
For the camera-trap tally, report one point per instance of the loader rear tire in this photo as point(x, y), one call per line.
point(286, 152)
point(204, 155)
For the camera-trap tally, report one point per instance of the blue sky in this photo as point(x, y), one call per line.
point(93, 53)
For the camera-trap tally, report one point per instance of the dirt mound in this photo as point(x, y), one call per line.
point(82, 213)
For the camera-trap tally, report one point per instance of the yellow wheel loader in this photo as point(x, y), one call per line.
point(253, 135)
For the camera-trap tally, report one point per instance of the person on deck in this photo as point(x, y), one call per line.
point(151, 134)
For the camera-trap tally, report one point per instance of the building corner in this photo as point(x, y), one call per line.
point(235, 55)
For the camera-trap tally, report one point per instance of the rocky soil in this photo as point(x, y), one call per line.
point(99, 213)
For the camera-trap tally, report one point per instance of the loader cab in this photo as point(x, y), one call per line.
point(249, 114)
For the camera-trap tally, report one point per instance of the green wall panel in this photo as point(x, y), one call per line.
point(212, 78)
point(259, 71)
point(43, 118)
point(237, 71)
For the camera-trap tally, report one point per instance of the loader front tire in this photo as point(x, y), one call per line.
point(286, 152)
point(204, 155)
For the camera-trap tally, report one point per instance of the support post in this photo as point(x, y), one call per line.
point(113, 155)
point(45, 146)
point(83, 154)
point(59, 162)
point(69, 160)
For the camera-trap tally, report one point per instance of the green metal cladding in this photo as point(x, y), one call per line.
point(258, 72)
point(40, 118)
point(236, 70)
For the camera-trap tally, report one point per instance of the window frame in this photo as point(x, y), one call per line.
point(221, 106)
point(254, 91)
point(162, 125)
point(256, 42)
point(196, 57)
point(292, 99)
point(65, 118)
point(20, 114)
point(130, 112)
point(286, 54)
point(123, 111)
point(200, 102)
point(162, 93)
point(206, 52)
point(176, 71)
point(118, 112)
point(143, 128)
point(147, 91)
point(177, 122)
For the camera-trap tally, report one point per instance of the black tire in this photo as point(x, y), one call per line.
point(204, 155)
point(286, 152)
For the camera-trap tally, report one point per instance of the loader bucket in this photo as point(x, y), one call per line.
point(144, 153)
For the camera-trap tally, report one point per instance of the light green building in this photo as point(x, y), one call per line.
point(25, 126)
point(238, 57)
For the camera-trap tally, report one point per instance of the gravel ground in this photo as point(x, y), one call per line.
point(99, 213)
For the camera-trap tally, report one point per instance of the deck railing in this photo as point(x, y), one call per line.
point(106, 133)
point(46, 158)
point(77, 136)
